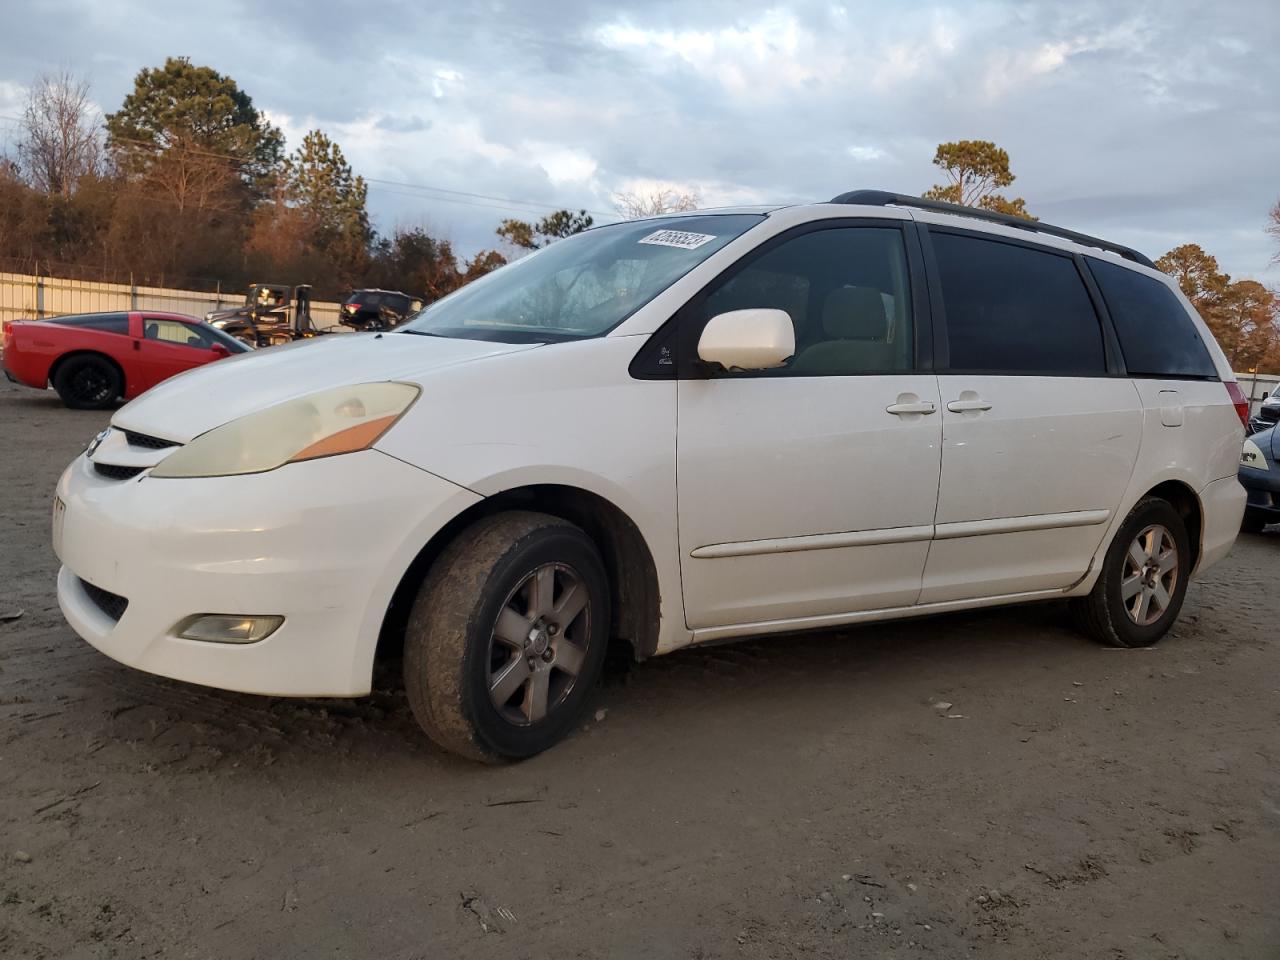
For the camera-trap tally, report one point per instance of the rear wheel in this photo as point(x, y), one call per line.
point(1143, 580)
point(1252, 522)
point(507, 637)
point(87, 382)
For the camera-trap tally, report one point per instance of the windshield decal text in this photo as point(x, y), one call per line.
point(678, 238)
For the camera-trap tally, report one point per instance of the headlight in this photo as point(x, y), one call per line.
point(1251, 456)
point(342, 420)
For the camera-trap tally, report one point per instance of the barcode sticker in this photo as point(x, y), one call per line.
point(678, 238)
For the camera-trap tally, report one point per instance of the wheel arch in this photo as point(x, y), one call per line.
point(1186, 501)
point(1174, 489)
point(84, 352)
point(633, 574)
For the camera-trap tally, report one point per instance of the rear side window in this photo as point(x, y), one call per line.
point(106, 322)
point(1157, 337)
point(1014, 309)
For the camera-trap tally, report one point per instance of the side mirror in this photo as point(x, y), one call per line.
point(757, 339)
point(219, 351)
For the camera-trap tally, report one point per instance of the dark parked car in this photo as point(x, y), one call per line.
point(1260, 476)
point(1268, 414)
point(378, 309)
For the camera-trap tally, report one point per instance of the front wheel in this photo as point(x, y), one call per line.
point(507, 636)
point(1143, 580)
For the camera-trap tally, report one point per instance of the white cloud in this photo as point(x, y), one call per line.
point(560, 105)
point(776, 54)
point(760, 57)
point(442, 80)
point(562, 164)
point(12, 97)
point(1007, 68)
point(865, 154)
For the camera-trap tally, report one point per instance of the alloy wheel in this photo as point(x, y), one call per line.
point(1150, 575)
point(539, 643)
point(90, 384)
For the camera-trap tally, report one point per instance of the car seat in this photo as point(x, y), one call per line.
point(856, 325)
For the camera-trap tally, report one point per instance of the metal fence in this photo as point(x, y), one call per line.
point(32, 297)
point(1257, 387)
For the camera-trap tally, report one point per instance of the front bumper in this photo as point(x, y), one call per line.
point(1263, 490)
point(322, 543)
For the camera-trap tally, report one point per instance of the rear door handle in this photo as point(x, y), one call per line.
point(968, 404)
point(903, 408)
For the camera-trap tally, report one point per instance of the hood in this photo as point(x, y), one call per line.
point(1264, 443)
point(229, 313)
point(194, 402)
point(1269, 442)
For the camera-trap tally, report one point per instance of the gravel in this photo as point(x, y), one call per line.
point(728, 786)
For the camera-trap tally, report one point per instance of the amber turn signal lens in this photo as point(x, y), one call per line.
point(346, 441)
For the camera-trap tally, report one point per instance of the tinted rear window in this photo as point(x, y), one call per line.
point(1014, 309)
point(106, 322)
point(1157, 337)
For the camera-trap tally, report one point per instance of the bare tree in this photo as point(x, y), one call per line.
point(633, 204)
point(61, 139)
point(1273, 226)
point(194, 179)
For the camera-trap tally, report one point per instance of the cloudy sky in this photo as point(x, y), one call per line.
point(1149, 123)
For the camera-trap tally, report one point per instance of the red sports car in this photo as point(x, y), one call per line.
point(95, 359)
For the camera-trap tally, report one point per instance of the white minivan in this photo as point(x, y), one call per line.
point(659, 433)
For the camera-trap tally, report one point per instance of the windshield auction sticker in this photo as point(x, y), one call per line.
point(678, 238)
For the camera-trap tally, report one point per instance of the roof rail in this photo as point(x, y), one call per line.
point(881, 198)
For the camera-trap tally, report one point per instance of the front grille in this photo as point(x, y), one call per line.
point(151, 443)
point(113, 472)
point(112, 604)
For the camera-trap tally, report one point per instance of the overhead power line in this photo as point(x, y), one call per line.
point(426, 191)
point(513, 201)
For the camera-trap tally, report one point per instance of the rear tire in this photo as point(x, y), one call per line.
point(1143, 580)
point(1252, 522)
point(88, 382)
point(507, 636)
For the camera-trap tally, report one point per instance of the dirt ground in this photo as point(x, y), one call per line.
point(801, 797)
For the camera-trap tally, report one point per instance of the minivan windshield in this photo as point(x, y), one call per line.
point(582, 286)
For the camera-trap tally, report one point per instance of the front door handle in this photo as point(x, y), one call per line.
point(969, 404)
point(907, 407)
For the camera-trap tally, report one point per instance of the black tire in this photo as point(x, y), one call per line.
point(1252, 522)
point(88, 381)
point(453, 650)
point(1103, 614)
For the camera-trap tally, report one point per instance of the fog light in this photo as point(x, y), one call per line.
point(225, 628)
